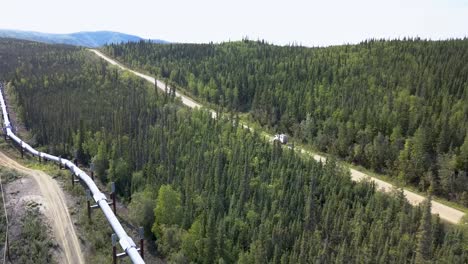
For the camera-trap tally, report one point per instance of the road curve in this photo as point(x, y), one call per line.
point(55, 210)
point(445, 212)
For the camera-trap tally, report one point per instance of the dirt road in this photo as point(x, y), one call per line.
point(55, 209)
point(185, 100)
point(446, 213)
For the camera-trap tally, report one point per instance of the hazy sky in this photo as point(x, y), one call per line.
point(309, 23)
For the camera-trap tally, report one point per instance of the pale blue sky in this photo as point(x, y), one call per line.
point(311, 23)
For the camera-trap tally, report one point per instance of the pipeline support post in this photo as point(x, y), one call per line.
point(141, 231)
point(73, 179)
point(88, 198)
point(88, 202)
point(113, 197)
point(116, 255)
point(114, 248)
point(21, 149)
point(91, 168)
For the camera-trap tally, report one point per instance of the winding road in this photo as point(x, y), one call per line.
point(445, 212)
point(55, 210)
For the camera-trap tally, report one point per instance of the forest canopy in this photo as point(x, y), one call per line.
point(398, 107)
point(208, 190)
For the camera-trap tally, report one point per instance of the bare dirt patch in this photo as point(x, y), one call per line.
point(39, 190)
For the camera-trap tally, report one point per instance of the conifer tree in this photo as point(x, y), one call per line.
point(424, 236)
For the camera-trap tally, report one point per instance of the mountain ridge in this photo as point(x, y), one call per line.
point(90, 39)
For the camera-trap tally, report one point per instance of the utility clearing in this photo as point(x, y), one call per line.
point(41, 188)
point(445, 212)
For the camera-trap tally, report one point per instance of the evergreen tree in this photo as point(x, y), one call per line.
point(424, 236)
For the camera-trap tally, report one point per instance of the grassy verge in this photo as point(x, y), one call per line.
point(395, 182)
point(6, 176)
point(34, 244)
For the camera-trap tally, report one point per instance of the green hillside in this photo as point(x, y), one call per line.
point(397, 107)
point(208, 191)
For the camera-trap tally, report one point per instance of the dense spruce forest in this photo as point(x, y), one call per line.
point(397, 107)
point(209, 191)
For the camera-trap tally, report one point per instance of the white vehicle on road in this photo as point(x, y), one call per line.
point(282, 138)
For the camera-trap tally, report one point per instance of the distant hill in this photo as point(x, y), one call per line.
point(87, 39)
